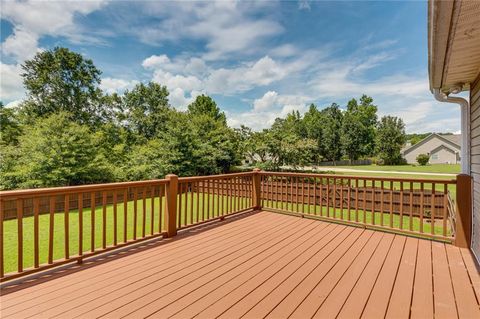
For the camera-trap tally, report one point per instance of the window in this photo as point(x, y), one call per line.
point(434, 157)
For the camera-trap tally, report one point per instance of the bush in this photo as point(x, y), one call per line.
point(423, 159)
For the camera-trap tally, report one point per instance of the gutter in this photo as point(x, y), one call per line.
point(465, 125)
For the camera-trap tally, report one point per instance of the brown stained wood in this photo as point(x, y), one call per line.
point(162, 192)
point(399, 304)
point(144, 211)
point(473, 270)
point(135, 213)
point(80, 224)
point(328, 197)
point(401, 206)
point(197, 209)
point(208, 199)
point(346, 269)
point(410, 219)
point(422, 300)
point(19, 235)
point(336, 299)
point(349, 247)
point(125, 215)
point(66, 224)
point(191, 204)
point(296, 195)
point(51, 229)
point(152, 209)
point(365, 201)
point(104, 220)
point(80, 293)
point(391, 204)
point(432, 210)
point(376, 306)
point(464, 293)
point(2, 266)
point(444, 298)
point(36, 233)
point(421, 206)
point(373, 202)
point(445, 209)
point(355, 302)
point(382, 189)
point(92, 222)
point(356, 200)
point(185, 209)
point(255, 265)
point(115, 218)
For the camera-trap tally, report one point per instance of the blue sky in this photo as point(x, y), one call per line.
point(259, 60)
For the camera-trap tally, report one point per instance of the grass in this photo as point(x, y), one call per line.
point(398, 223)
point(433, 168)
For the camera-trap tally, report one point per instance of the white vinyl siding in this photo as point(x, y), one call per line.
point(475, 161)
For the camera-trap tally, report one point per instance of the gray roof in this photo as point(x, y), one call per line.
point(454, 138)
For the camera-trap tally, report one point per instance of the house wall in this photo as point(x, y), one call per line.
point(442, 156)
point(426, 148)
point(475, 161)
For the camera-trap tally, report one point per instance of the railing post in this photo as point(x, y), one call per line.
point(463, 231)
point(257, 196)
point(171, 211)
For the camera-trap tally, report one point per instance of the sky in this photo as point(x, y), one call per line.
point(258, 60)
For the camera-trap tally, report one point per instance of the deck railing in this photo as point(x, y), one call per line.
point(42, 228)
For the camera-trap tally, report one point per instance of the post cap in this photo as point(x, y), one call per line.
point(256, 169)
point(171, 176)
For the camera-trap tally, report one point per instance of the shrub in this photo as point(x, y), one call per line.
point(423, 159)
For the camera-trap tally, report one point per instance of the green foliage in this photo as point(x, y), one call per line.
point(415, 138)
point(423, 159)
point(358, 128)
point(10, 127)
point(147, 109)
point(205, 105)
point(55, 151)
point(61, 80)
point(332, 132)
point(390, 139)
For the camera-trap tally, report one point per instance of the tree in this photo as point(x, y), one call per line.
point(423, 159)
point(61, 80)
point(313, 123)
point(205, 105)
point(333, 118)
point(54, 151)
point(359, 127)
point(10, 126)
point(147, 109)
point(390, 139)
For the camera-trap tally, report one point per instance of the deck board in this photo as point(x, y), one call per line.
point(260, 265)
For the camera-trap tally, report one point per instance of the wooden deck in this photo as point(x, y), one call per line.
point(260, 265)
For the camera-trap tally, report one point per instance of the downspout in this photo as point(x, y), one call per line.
point(465, 126)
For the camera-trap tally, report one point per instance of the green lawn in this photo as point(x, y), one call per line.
point(434, 168)
point(397, 222)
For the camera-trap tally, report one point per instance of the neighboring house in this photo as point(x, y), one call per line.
point(454, 66)
point(442, 149)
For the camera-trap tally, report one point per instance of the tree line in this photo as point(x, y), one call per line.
point(67, 131)
point(330, 134)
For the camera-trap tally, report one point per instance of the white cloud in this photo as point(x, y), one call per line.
point(267, 101)
point(31, 20)
point(113, 85)
point(11, 86)
point(21, 44)
point(227, 27)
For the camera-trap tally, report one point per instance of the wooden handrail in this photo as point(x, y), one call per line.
point(394, 179)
